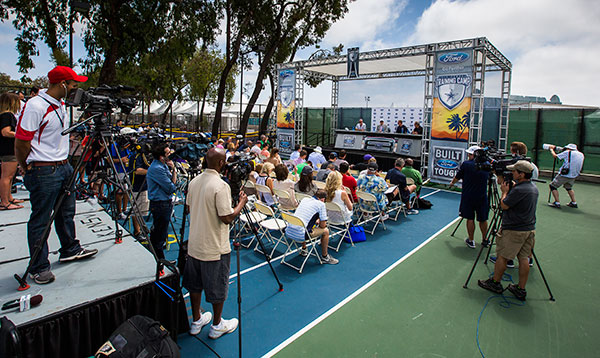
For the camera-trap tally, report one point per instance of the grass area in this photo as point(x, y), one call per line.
point(420, 308)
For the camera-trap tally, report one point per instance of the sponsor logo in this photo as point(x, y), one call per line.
point(453, 57)
point(452, 89)
point(446, 164)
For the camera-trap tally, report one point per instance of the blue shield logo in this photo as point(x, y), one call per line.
point(452, 89)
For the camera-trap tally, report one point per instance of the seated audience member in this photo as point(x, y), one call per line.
point(282, 183)
point(313, 213)
point(254, 173)
point(317, 157)
point(331, 159)
point(418, 129)
point(264, 178)
point(220, 143)
point(341, 158)
point(296, 153)
point(301, 157)
point(324, 172)
point(348, 180)
point(363, 165)
point(372, 183)
point(230, 151)
point(274, 157)
point(403, 191)
point(256, 150)
point(412, 173)
point(372, 160)
point(264, 154)
point(336, 194)
point(305, 184)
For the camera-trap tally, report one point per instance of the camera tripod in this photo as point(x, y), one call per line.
point(104, 136)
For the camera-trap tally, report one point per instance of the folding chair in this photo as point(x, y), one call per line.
point(262, 190)
point(249, 188)
point(336, 227)
point(398, 206)
point(300, 196)
point(256, 218)
point(283, 194)
point(268, 225)
point(368, 206)
point(319, 184)
point(349, 192)
point(311, 243)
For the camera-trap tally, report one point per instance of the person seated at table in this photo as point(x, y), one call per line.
point(348, 180)
point(363, 165)
point(418, 129)
point(336, 194)
point(396, 177)
point(360, 126)
point(282, 183)
point(372, 183)
point(401, 128)
point(382, 127)
point(264, 178)
point(326, 168)
point(305, 185)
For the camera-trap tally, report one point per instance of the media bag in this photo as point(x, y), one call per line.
point(139, 336)
point(357, 233)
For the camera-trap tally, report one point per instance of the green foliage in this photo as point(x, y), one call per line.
point(202, 73)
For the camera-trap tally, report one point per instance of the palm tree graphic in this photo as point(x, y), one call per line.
point(458, 124)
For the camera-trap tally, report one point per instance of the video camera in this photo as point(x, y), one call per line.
point(102, 99)
point(492, 160)
point(237, 170)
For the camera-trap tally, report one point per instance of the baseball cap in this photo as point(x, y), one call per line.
point(522, 166)
point(571, 146)
point(64, 73)
point(367, 157)
point(127, 130)
point(472, 149)
point(334, 154)
point(372, 167)
point(307, 170)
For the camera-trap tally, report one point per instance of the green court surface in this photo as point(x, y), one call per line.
point(420, 308)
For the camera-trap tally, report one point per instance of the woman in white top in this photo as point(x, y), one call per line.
point(265, 179)
point(337, 194)
point(282, 183)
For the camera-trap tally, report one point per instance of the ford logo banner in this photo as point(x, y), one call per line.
point(447, 164)
point(453, 57)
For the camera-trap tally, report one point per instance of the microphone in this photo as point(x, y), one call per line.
point(24, 303)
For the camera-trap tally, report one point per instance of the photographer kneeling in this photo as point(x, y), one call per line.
point(209, 251)
point(517, 235)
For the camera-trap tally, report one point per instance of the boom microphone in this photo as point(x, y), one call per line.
point(23, 303)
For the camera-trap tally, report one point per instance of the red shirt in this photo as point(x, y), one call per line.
point(350, 182)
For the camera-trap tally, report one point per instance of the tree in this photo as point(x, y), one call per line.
point(202, 73)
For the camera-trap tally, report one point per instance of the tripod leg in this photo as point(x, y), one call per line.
point(553, 171)
point(543, 277)
point(473, 268)
point(457, 226)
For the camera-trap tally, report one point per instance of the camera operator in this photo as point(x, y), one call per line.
point(517, 235)
point(161, 178)
point(519, 151)
point(570, 169)
point(42, 152)
point(120, 157)
point(139, 168)
point(209, 251)
point(474, 197)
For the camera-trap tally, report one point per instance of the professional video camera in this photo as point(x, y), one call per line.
point(102, 99)
point(236, 171)
point(492, 160)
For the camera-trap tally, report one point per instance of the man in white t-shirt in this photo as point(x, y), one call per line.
point(313, 213)
point(360, 126)
point(570, 169)
point(316, 157)
point(209, 250)
point(42, 152)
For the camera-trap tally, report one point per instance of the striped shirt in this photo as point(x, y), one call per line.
point(309, 210)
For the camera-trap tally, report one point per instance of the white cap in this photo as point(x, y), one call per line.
point(127, 130)
point(571, 146)
point(472, 149)
point(318, 149)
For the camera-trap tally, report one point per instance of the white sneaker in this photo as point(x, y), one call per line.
point(122, 216)
point(329, 260)
point(224, 327)
point(385, 217)
point(203, 321)
point(303, 252)
point(412, 212)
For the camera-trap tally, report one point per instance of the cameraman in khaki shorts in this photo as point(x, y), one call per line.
point(517, 235)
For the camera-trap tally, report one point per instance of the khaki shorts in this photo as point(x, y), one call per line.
point(317, 232)
point(560, 180)
point(142, 202)
point(511, 243)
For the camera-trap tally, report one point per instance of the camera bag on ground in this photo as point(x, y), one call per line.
point(139, 336)
point(423, 204)
point(10, 344)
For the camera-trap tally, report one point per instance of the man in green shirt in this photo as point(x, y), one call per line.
point(412, 173)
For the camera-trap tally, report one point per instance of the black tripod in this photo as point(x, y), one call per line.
point(104, 136)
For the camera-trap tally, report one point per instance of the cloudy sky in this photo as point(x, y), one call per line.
point(552, 44)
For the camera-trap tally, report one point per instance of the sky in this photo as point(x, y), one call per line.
point(552, 44)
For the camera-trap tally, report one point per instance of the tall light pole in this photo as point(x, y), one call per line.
point(367, 99)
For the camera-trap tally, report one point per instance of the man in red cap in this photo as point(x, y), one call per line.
point(42, 152)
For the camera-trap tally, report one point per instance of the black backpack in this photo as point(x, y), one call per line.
point(139, 336)
point(423, 204)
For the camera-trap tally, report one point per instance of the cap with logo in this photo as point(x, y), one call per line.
point(64, 73)
point(472, 149)
point(522, 166)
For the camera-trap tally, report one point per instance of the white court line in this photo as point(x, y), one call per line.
point(354, 294)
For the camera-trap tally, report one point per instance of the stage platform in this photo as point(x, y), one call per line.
point(106, 287)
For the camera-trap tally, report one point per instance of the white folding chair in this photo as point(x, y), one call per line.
point(311, 243)
point(285, 195)
point(300, 196)
point(349, 192)
point(398, 206)
point(262, 190)
point(255, 218)
point(319, 184)
point(249, 188)
point(268, 225)
point(337, 225)
point(368, 206)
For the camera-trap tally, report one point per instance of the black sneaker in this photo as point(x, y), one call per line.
point(491, 285)
point(470, 243)
point(509, 263)
point(485, 243)
point(572, 204)
point(519, 293)
point(84, 253)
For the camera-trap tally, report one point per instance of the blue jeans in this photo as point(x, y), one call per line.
point(161, 216)
point(45, 185)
